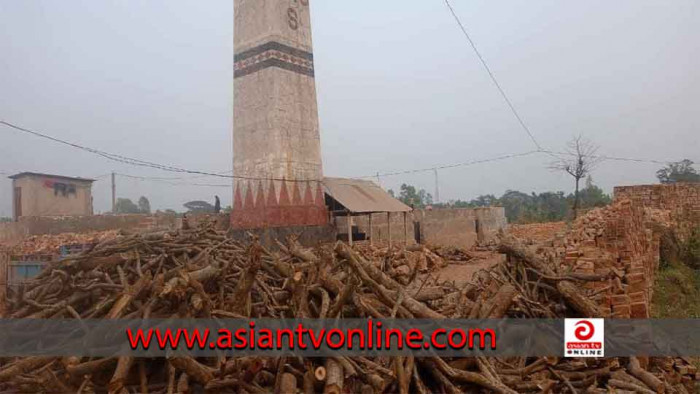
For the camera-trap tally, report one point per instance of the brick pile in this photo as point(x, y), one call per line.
point(51, 244)
point(537, 232)
point(624, 238)
point(677, 204)
point(614, 238)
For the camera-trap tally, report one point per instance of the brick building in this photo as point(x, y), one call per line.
point(35, 194)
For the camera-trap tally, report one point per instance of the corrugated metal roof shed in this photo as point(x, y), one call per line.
point(360, 196)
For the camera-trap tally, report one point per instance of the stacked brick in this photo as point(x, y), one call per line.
point(677, 205)
point(537, 232)
point(614, 238)
point(624, 238)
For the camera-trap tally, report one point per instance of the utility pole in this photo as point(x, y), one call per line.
point(437, 187)
point(114, 194)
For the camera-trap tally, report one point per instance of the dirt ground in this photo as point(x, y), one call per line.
point(461, 273)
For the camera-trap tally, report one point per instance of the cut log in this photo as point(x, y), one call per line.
point(649, 379)
point(241, 296)
point(116, 385)
point(334, 377)
point(288, 384)
point(197, 371)
point(497, 306)
point(22, 366)
point(569, 291)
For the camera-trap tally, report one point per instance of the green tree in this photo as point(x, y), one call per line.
point(199, 207)
point(680, 171)
point(485, 201)
point(516, 205)
point(125, 205)
point(414, 198)
point(592, 196)
point(549, 207)
point(144, 205)
point(543, 207)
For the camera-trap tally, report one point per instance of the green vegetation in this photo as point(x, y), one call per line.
point(412, 197)
point(677, 287)
point(199, 207)
point(676, 293)
point(544, 207)
point(691, 251)
point(680, 171)
point(5, 220)
point(144, 205)
point(126, 206)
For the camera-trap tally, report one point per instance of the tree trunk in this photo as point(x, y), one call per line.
point(576, 198)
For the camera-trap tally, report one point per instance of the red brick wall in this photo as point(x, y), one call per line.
point(676, 205)
point(624, 237)
point(616, 238)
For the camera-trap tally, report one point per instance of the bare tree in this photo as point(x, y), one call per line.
point(579, 160)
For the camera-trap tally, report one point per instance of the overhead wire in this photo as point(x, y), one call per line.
point(143, 163)
point(442, 167)
point(222, 174)
point(510, 156)
point(492, 76)
point(166, 181)
point(615, 158)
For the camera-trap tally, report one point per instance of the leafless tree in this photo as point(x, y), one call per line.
point(578, 160)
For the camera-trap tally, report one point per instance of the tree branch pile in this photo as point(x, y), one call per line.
point(199, 273)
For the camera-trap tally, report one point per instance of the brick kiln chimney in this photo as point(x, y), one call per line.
point(276, 132)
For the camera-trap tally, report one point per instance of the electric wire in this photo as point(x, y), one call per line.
point(493, 77)
point(143, 163)
point(223, 174)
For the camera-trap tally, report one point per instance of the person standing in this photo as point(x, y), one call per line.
point(217, 205)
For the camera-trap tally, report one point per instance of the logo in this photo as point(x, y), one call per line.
point(584, 338)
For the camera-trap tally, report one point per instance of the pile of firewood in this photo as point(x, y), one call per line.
point(200, 273)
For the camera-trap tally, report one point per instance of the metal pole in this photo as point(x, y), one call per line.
point(388, 222)
point(371, 235)
point(437, 187)
point(405, 229)
point(349, 229)
point(114, 194)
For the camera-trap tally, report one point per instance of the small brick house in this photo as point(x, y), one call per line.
point(36, 194)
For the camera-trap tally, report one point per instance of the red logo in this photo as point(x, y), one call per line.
point(584, 338)
point(584, 332)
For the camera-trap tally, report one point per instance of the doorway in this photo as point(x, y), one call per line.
point(17, 200)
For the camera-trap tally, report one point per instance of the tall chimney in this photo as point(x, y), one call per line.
point(277, 150)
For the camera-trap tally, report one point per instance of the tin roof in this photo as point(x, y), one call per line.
point(23, 174)
point(360, 196)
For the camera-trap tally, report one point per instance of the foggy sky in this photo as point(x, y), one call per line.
point(398, 87)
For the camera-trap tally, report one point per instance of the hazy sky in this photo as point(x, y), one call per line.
point(398, 88)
